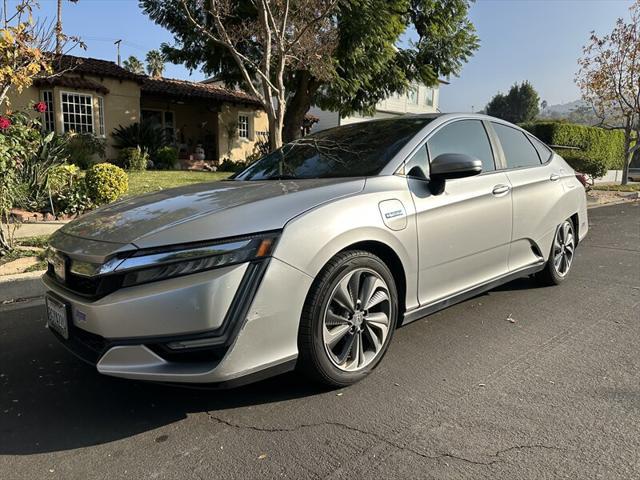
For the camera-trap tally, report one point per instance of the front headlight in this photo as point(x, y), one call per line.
point(150, 265)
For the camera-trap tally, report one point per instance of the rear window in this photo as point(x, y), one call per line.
point(518, 150)
point(543, 151)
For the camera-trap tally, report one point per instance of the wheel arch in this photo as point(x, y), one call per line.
point(391, 260)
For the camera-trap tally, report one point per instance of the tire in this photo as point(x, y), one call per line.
point(563, 248)
point(340, 340)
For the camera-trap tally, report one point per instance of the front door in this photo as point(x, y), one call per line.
point(463, 233)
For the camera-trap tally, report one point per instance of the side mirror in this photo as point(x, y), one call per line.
point(452, 165)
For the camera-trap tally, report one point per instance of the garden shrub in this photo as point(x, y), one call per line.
point(85, 149)
point(106, 183)
point(68, 190)
point(166, 158)
point(599, 149)
point(228, 165)
point(148, 135)
point(133, 159)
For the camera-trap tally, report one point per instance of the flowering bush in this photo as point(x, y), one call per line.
point(5, 123)
point(40, 107)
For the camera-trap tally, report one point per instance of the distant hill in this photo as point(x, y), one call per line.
point(577, 111)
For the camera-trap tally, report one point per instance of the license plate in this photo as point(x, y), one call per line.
point(57, 317)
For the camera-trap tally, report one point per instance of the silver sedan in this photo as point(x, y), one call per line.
point(311, 257)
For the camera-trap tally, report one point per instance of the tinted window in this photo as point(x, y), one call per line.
point(466, 136)
point(516, 147)
point(543, 151)
point(419, 159)
point(356, 150)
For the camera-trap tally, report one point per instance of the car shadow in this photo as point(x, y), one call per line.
point(51, 401)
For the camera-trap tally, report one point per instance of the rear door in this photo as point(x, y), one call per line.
point(463, 233)
point(536, 191)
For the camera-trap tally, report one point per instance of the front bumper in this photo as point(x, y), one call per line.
point(247, 313)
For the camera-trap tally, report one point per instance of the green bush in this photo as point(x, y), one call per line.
point(148, 135)
point(166, 158)
point(135, 159)
point(106, 183)
point(599, 149)
point(68, 190)
point(33, 179)
point(85, 149)
point(228, 165)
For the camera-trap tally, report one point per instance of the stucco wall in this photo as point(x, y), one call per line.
point(121, 105)
point(235, 148)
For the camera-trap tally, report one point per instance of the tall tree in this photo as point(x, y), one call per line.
point(609, 78)
point(60, 38)
point(517, 106)
point(133, 65)
point(155, 63)
point(358, 58)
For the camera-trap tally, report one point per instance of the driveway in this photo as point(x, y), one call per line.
point(522, 382)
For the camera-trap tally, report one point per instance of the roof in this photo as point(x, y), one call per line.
point(94, 66)
point(186, 89)
point(79, 66)
point(72, 82)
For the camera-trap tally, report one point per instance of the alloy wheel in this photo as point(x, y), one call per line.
point(356, 320)
point(563, 248)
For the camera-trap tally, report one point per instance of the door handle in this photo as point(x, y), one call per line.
point(554, 177)
point(501, 189)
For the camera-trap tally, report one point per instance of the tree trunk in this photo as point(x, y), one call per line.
point(275, 131)
point(298, 106)
point(628, 154)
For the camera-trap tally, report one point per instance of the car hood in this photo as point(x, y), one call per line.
point(207, 211)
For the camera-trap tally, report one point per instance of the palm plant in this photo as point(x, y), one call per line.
point(155, 63)
point(133, 65)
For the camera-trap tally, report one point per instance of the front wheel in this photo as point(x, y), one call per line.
point(561, 255)
point(348, 319)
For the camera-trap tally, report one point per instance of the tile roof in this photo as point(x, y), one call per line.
point(94, 66)
point(72, 82)
point(186, 89)
point(151, 86)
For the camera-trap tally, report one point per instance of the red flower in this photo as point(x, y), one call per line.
point(4, 123)
point(40, 107)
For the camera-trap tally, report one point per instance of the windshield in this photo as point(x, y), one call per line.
point(356, 150)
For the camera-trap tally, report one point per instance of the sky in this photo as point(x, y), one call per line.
point(535, 40)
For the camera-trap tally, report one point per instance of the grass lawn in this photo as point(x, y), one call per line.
point(631, 187)
point(150, 181)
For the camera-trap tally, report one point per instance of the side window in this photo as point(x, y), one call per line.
point(543, 151)
point(517, 148)
point(419, 159)
point(466, 136)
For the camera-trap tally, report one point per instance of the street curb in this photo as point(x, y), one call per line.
point(20, 286)
point(609, 204)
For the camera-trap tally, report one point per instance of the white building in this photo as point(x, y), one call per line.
point(418, 99)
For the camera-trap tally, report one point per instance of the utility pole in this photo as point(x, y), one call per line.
point(59, 29)
point(117, 44)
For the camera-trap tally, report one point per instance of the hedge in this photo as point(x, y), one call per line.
point(600, 149)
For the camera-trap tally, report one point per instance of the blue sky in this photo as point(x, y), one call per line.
point(535, 40)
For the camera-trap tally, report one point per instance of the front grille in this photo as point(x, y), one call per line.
point(92, 288)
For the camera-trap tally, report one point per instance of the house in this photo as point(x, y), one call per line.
point(89, 95)
point(417, 99)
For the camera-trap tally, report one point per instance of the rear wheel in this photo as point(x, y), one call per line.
point(561, 255)
point(348, 319)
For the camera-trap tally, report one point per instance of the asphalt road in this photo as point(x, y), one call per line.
point(465, 393)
